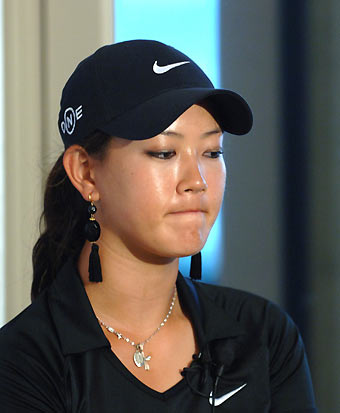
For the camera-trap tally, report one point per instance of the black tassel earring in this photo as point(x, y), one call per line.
point(196, 266)
point(92, 232)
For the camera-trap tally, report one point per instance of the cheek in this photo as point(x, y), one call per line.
point(217, 182)
point(139, 195)
point(216, 187)
point(153, 193)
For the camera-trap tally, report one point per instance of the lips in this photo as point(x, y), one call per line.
point(182, 211)
point(189, 210)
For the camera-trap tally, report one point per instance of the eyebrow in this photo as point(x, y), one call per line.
point(180, 135)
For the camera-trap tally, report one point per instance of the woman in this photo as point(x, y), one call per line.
point(114, 326)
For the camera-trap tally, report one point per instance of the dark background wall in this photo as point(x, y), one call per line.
point(282, 206)
point(250, 66)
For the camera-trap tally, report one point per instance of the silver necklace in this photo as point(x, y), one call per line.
point(139, 358)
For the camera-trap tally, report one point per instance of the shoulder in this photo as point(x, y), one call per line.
point(31, 364)
point(258, 317)
point(29, 330)
point(285, 353)
point(31, 337)
point(244, 307)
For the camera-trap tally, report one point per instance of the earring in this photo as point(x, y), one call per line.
point(196, 266)
point(92, 232)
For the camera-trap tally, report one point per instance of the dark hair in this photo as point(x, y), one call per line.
point(64, 217)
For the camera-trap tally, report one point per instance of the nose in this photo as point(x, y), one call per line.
point(192, 178)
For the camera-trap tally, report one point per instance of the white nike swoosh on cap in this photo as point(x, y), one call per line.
point(222, 399)
point(163, 69)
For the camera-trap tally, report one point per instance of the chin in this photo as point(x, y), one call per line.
point(181, 243)
point(187, 250)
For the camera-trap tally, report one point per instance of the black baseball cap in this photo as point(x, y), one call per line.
point(136, 89)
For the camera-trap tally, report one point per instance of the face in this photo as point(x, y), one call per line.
point(144, 187)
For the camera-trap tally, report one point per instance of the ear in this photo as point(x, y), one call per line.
point(79, 167)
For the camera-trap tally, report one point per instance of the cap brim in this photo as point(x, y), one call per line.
point(152, 117)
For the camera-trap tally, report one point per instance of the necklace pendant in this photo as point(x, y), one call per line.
point(140, 359)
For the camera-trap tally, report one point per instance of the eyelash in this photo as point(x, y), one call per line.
point(158, 154)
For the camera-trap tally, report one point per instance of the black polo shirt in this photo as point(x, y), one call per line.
point(54, 357)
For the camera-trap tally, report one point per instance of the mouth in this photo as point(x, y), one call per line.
point(189, 211)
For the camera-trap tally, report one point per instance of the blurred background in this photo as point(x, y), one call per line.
point(278, 234)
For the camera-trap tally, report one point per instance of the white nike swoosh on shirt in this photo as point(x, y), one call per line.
point(222, 399)
point(163, 69)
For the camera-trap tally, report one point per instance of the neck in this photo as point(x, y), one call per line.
point(135, 294)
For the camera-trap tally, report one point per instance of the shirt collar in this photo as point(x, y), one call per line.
point(79, 330)
point(211, 322)
point(72, 313)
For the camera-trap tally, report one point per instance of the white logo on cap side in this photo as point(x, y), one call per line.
point(159, 70)
point(70, 118)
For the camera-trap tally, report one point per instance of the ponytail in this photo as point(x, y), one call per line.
point(63, 217)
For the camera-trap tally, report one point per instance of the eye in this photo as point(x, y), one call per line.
point(216, 154)
point(162, 155)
